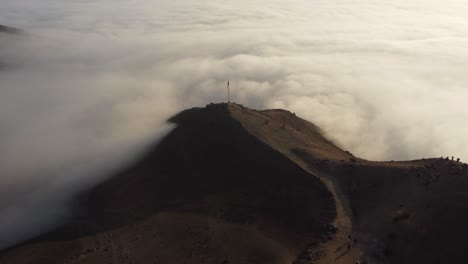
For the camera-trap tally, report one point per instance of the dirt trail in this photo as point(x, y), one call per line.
point(337, 248)
point(283, 138)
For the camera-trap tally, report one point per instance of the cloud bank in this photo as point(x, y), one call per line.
point(91, 83)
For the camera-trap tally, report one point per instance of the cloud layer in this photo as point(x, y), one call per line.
point(90, 85)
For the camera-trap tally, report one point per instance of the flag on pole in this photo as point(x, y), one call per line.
point(228, 91)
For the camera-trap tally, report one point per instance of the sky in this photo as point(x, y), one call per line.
point(89, 85)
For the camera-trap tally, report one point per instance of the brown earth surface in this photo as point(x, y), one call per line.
point(235, 185)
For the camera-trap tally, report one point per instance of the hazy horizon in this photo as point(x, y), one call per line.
point(91, 83)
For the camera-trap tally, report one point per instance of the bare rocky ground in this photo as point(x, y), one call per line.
point(236, 185)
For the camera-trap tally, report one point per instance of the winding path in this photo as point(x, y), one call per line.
point(284, 141)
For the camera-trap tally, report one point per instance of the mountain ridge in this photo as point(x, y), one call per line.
point(245, 186)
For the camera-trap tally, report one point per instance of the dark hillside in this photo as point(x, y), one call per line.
point(209, 192)
point(236, 185)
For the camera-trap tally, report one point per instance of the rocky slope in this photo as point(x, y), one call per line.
point(398, 212)
point(235, 185)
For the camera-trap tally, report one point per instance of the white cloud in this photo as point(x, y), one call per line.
point(93, 81)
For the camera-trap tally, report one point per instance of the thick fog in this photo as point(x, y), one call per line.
point(87, 87)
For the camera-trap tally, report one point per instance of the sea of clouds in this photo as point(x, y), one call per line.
point(88, 86)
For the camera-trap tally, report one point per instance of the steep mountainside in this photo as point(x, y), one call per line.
point(399, 212)
point(209, 193)
point(235, 185)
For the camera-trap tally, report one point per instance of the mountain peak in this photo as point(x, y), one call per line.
point(232, 184)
